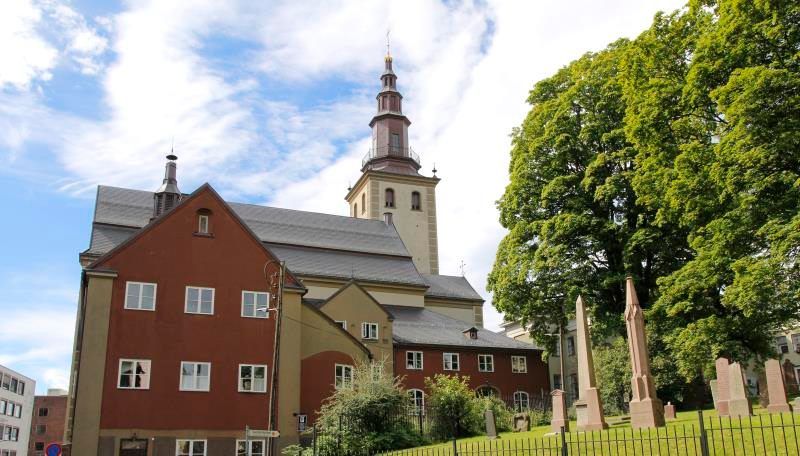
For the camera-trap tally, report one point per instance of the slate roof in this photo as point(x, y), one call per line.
point(420, 326)
point(347, 265)
point(444, 286)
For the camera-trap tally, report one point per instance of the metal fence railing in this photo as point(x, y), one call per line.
point(767, 434)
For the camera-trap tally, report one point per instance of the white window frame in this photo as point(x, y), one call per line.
point(199, 303)
point(517, 400)
point(252, 369)
point(255, 304)
point(414, 398)
point(191, 446)
point(482, 361)
point(516, 369)
point(249, 451)
point(339, 384)
point(195, 388)
point(201, 229)
point(414, 364)
point(342, 323)
point(366, 334)
point(129, 306)
point(136, 363)
point(452, 356)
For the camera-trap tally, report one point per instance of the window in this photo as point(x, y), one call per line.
point(9, 408)
point(344, 376)
point(38, 446)
point(416, 205)
point(18, 411)
point(486, 363)
point(557, 381)
point(451, 361)
point(199, 300)
point(570, 346)
point(519, 364)
point(14, 384)
point(7, 433)
point(255, 304)
point(14, 434)
point(783, 344)
point(43, 411)
point(796, 342)
point(133, 374)
point(414, 360)
point(389, 196)
point(341, 323)
point(557, 352)
point(41, 429)
point(21, 388)
point(355, 210)
point(256, 448)
point(190, 448)
point(6, 381)
point(486, 391)
point(573, 385)
point(252, 378)
point(395, 144)
point(202, 224)
point(369, 331)
point(195, 376)
point(417, 398)
point(140, 296)
point(363, 202)
point(521, 401)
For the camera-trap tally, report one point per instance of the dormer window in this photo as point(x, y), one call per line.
point(389, 197)
point(471, 333)
point(416, 203)
point(203, 221)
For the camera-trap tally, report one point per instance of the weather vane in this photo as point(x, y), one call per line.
point(462, 267)
point(387, 41)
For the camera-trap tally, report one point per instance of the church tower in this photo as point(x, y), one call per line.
point(390, 187)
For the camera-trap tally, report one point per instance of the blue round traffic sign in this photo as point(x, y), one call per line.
point(53, 449)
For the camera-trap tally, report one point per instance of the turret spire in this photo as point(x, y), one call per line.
point(168, 195)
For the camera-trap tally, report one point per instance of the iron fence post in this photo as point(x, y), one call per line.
point(564, 449)
point(703, 436)
point(314, 440)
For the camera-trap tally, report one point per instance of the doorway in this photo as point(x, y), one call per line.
point(133, 447)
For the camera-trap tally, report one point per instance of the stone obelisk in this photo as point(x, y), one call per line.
point(776, 387)
point(589, 407)
point(646, 409)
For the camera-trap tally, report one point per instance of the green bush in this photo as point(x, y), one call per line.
point(368, 416)
point(540, 417)
point(454, 408)
point(503, 416)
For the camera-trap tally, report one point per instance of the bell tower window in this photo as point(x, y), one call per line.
point(416, 205)
point(395, 144)
point(389, 197)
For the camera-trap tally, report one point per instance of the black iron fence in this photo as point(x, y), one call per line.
point(775, 434)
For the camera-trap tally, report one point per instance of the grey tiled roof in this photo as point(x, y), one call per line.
point(347, 265)
point(450, 287)
point(126, 207)
point(420, 326)
point(106, 237)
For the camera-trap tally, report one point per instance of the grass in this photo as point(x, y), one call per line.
point(763, 434)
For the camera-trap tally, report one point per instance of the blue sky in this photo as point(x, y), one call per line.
point(267, 101)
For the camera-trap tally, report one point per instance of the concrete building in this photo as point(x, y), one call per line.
point(16, 405)
point(569, 384)
point(47, 423)
point(189, 329)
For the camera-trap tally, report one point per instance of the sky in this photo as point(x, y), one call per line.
point(269, 102)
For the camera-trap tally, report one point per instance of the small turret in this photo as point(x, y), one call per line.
point(168, 195)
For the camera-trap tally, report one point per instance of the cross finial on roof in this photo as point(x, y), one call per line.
point(462, 267)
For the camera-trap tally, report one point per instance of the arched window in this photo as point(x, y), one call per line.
point(417, 400)
point(487, 391)
point(363, 202)
point(416, 203)
point(355, 210)
point(389, 197)
point(521, 401)
point(203, 221)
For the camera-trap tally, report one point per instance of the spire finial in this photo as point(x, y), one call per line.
point(388, 47)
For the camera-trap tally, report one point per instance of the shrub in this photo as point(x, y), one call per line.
point(503, 415)
point(368, 416)
point(454, 408)
point(540, 417)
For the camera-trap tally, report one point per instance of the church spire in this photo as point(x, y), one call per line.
point(390, 150)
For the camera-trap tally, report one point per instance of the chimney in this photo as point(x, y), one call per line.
point(387, 218)
point(168, 195)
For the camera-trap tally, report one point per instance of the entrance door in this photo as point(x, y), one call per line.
point(133, 447)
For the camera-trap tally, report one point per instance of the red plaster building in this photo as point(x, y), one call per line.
point(199, 317)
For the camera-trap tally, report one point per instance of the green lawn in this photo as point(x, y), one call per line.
point(763, 434)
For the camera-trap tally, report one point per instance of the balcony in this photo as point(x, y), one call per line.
point(388, 151)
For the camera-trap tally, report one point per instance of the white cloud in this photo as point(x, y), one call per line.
point(24, 55)
point(465, 69)
point(83, 43)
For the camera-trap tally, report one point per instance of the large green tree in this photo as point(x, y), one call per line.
point(674, 158)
